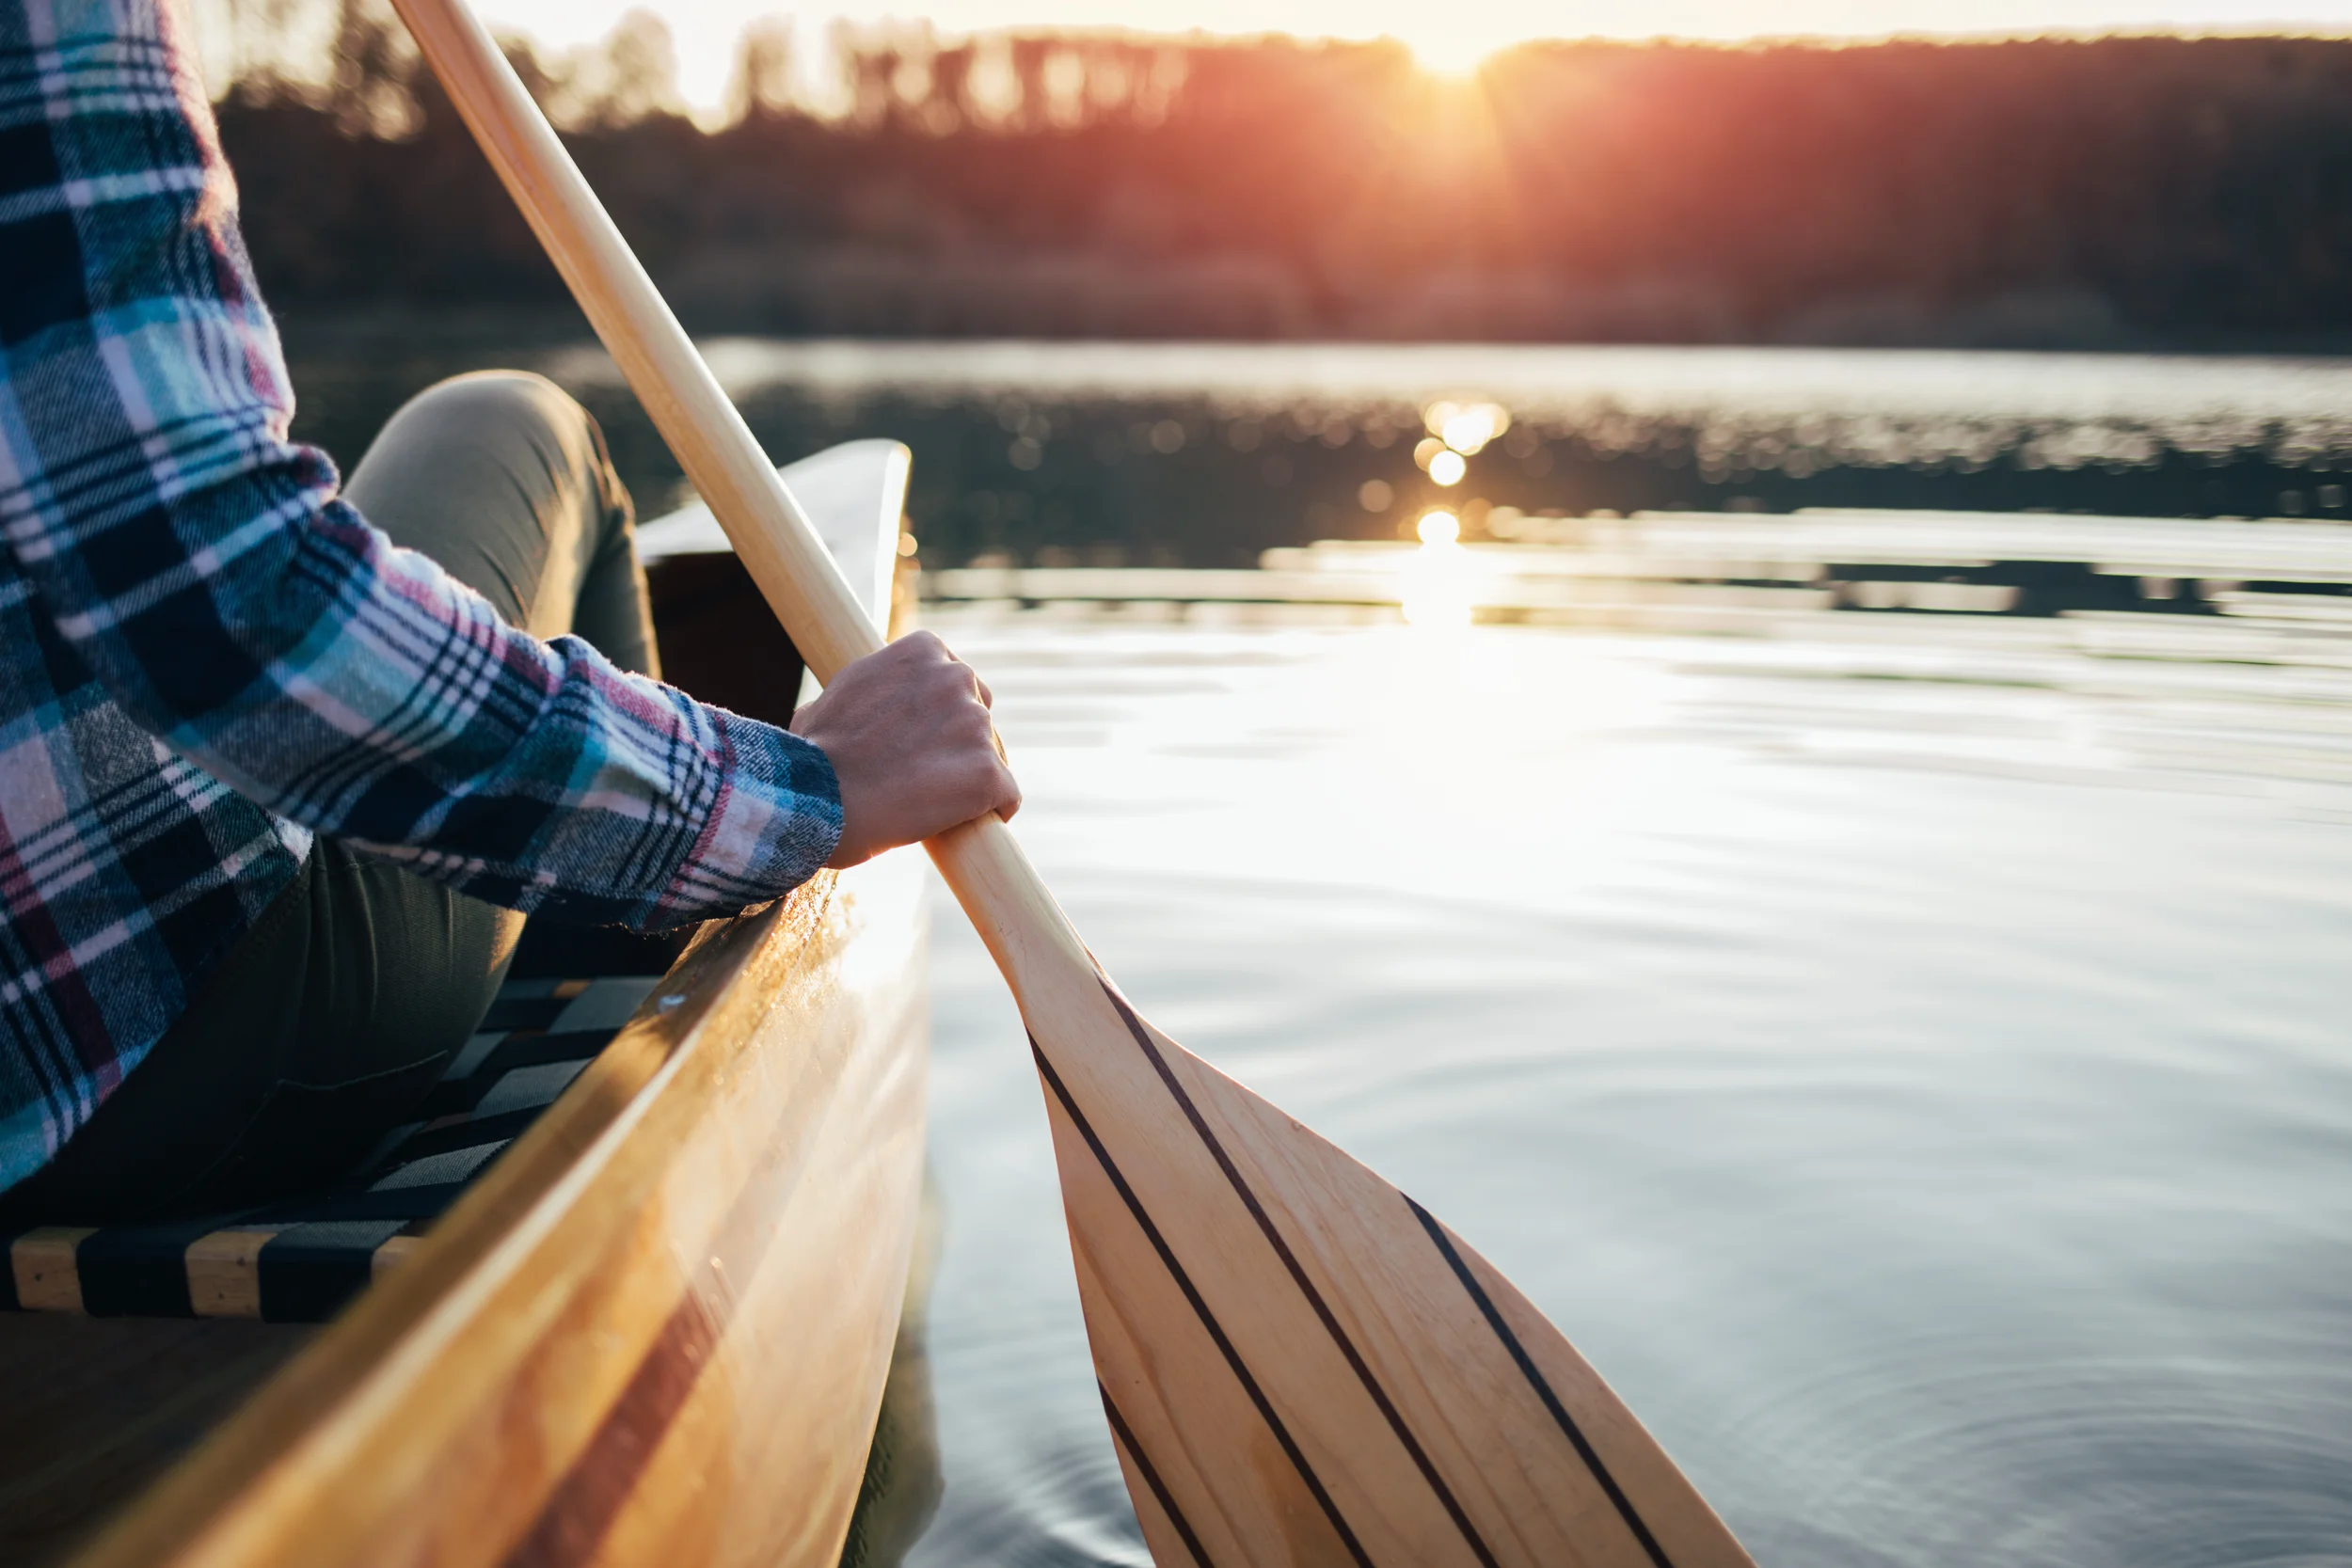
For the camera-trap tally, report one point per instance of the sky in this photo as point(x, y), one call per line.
point(1446, 35)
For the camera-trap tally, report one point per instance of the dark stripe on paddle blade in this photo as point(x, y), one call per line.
point(1151, 1479)
point(1542, 1390)
point(1200, 1309)
point(1298, 1274)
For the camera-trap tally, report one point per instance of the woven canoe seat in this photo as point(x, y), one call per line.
point(301, 1260)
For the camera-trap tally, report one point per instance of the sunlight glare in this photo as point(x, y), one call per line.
point(1452, 52)
point(1437, 588)
point(1467, 427)
point(1451, 46)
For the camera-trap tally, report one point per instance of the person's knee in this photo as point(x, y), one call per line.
point(488, 404)
point(514, 422)
point(501, 477)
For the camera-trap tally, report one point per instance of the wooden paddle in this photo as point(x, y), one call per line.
point(1300, 1365)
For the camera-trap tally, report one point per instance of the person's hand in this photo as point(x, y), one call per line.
point(908, 733)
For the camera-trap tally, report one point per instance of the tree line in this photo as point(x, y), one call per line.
point(2040, 193)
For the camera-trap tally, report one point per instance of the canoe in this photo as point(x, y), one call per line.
point(653, 1326)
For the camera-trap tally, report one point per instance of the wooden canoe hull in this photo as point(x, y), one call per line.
point(673, 1348)
point(657, 1328)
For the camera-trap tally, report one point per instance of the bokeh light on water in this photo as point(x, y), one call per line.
point(1205, 454)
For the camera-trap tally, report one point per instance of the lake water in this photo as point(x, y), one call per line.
point(1908, 1056)
point(1205, 454)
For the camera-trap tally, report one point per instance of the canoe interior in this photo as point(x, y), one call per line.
point(98, 1407)
point(657, 1329)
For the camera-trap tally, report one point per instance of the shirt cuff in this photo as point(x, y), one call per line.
point(774, 823)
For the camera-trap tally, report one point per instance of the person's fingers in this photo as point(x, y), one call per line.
point(983, 784)
point(932, 650)
point(910, 733)
point(968, 722)
point(1001, 795)
point(965, 682)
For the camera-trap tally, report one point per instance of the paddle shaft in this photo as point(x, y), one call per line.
point(1299, 1365)
point(983, 863)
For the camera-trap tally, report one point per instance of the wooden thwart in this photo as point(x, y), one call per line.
point(1300, 1366)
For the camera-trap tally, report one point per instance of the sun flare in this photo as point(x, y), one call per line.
point(1453, 51)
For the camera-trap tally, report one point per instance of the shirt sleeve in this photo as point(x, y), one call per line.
point(201, 567)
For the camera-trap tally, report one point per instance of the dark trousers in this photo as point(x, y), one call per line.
point(325, 1025)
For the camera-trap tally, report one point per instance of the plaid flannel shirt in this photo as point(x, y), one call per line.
point(206, 656)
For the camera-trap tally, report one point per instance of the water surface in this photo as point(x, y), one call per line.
point(1908, 1058)
point(1907, 1055)
point(1203, 454)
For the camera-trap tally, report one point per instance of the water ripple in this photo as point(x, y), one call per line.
point(1947, 1161)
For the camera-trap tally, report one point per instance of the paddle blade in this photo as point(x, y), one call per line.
point(1301, 1366)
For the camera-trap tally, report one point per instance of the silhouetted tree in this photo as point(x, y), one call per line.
point(2122, 189)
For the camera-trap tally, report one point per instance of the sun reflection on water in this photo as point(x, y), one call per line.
point(1437, 588)
point(1466, 427)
